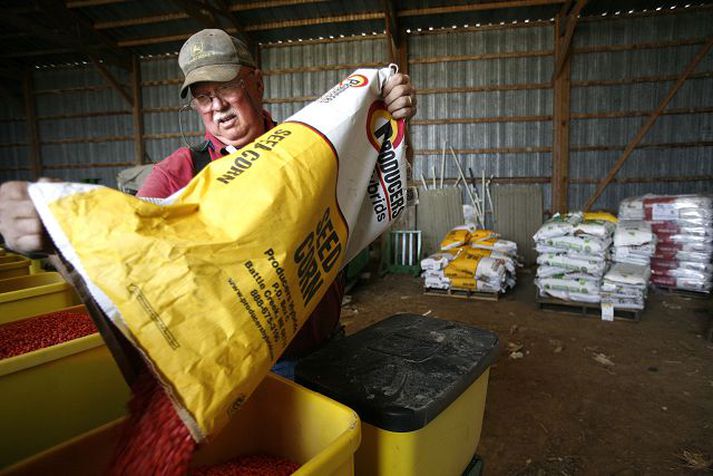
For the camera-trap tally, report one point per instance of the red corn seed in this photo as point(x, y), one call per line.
point(27, 335)
point(155, 440)
point(254, 465)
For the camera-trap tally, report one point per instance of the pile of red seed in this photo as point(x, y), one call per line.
point(21, 337)
point(155, 440)
point(254, 465)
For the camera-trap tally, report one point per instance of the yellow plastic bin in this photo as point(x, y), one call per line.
point(419, 386)
point(56, 393)
point(14, 265)
point(34, 294)
point(281, 419)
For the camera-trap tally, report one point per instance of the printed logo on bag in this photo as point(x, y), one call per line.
point(352, 81)
point(386, 186)
point(355, 81)
point(379, 124)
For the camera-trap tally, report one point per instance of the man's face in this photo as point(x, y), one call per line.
point(234, 112)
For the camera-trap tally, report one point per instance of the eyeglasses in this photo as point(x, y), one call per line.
point(227, 92)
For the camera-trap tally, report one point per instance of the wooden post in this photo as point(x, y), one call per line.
point(137, 112)
point(33, 133)
point(649, 122)
point(403, 67)
point(560, 120)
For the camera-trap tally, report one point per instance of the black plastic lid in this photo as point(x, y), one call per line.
point(402, 372)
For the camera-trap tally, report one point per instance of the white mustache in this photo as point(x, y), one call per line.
point(220, 115)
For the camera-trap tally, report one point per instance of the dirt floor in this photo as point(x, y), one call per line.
point(646, 407)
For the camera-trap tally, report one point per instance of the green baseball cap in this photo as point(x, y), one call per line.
point(212, 55)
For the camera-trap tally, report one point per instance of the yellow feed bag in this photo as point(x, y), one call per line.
point(212, 283)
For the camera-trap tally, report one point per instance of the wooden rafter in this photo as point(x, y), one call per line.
point(243, 6)
point(225, 11)
point(197, 11)
point(570, 25)
point(109, 78)
point(649, 123)
point(476, 7)
point(316, 21)
point(91, 3)
point(68, 30)
point(392, 30)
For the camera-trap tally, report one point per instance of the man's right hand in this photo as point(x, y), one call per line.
point(20, 224)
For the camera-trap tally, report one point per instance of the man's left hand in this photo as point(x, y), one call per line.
point(400, 96)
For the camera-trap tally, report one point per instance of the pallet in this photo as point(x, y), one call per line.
point(462, 294)
point(585, 309)
point(682, 292)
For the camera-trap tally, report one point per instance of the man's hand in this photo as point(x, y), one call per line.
point(20, 224)
point(400, 96)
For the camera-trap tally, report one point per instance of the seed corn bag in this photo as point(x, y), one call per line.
point(212, 283)
point(457, 237)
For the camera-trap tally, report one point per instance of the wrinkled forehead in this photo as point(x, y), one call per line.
point(206, 87)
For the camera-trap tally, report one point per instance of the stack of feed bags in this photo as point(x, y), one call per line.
point(624, 285)
point(474, 260)
point(573, 255)
point(634, 243)
point(683, 225)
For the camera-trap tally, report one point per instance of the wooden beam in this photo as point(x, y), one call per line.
point(316, 21)
point(33, 134)
point(260, 27)
point(147, 20)
point(68, 30)
point(637, 80)
point(626, 114)
point(403, 60)
point(198, 12)
point(43, 52)
point(654, 145)
point(489, 150)
point(224, 11)
point(80, 29)
point(560, 122)
point(109, 78)
point(137, 114)
point(477, 7)
point(482, 56)
point(639, 46)
point(564, 52)
point(649, 122)
point(92, 3)
point(479, 120)
point(244, 6)
point(392, 30)
point(331, 67)
point(486, 88)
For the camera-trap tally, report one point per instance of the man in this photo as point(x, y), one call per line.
point(227, 90)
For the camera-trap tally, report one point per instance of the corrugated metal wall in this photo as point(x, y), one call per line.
point(161, 79)
point(679, 156)
point(512, 60)
point(307, 69)
point(14, 153)
point(80, 148)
